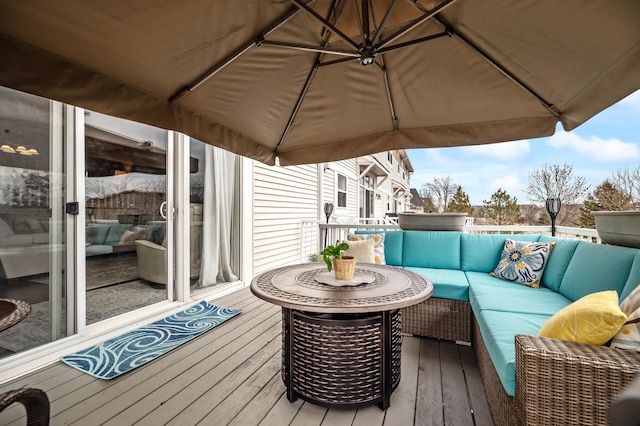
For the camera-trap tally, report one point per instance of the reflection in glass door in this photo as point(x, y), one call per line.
point(33, 247)
point(126, 224)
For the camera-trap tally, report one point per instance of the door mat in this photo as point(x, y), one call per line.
point(124, 353)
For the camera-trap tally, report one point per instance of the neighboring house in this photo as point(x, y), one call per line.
point(288, 202)
point(417, 203)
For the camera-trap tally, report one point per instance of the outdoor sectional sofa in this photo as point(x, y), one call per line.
point(528, 379)
point(112, 237)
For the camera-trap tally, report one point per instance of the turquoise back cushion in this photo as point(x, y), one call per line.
point(481, 252)
point(116, 231)
point(431, 249)
point(597, 267)
point(634, 277)
point(558, 260)
point(392, 245)
point(100, 233)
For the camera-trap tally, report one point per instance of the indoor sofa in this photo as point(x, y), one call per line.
point(24, 246)
point(528, 379)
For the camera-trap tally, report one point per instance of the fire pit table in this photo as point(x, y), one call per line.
point(341, 342)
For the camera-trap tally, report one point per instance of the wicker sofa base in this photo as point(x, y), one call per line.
point(439, 318)
point(502, 406)
point(557, 382)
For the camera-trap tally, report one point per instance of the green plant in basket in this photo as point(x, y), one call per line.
point(333, 252)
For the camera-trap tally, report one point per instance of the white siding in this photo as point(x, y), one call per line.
point(349, 169)
point(283, 199)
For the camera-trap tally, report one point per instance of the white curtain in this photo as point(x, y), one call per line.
point(218, 217)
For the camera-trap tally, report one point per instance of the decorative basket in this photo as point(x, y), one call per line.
point(344, 267)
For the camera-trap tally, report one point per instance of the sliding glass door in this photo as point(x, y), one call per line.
point(33, 222)
point(100, 218)
point(126, 227)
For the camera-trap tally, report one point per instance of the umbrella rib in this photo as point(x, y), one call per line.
point(383, 68)
point(550, 107)
point(416, 41)
point(336, 61)
point(336, 17)
point(308, 48)
point(387, 15)
point(236, 54)
point(359, 19)
point(416, 23)
point(337, 14)
point(296, 108)
point(325, 23)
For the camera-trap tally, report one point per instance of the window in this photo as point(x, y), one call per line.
point(342, 191)
point(390, 157)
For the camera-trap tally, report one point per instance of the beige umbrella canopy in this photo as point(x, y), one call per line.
point(310, 81)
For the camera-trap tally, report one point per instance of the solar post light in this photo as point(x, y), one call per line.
point(553, 207)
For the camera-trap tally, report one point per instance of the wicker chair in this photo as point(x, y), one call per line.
point(34, 400)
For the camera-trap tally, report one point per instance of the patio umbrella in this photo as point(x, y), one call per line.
point(309, 81)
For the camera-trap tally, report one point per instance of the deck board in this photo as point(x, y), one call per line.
point(231, 375)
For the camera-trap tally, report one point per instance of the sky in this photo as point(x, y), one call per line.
point(608, 142)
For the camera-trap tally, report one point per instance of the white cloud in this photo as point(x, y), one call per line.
point(504, 151)
point(594, 147)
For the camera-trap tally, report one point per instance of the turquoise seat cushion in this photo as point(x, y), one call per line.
point(447, 283)
point(498, 331)
point(486, 292)
point(481, 252)
point(392, 245)
point(597, 267)
point(634, 278)
point(431, 249)
point(558, 260)
point(98, 249)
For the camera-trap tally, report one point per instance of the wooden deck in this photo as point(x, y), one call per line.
point(231, 375)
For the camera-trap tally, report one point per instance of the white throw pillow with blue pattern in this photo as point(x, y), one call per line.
point(629, 335)
point(523, 262)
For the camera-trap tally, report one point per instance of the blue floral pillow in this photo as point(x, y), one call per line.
point(523, 262)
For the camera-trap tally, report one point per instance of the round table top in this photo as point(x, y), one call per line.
point(296, 287)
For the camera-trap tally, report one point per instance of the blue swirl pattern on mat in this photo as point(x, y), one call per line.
point(137, 347)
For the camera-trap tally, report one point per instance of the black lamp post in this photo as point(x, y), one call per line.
point(553, 207)
point(328, 209)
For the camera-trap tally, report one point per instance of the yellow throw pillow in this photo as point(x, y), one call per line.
point(594, 319)
point(361, 250)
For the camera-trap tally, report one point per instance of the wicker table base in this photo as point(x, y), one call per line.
point(346, 360)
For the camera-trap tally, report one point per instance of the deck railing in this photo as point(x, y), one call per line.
point(327, 233)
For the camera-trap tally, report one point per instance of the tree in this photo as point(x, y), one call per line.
point(501, 208)
point(607, 196)
point(428, 205)
point(460, 203)
point(558, 181)
point(628, 182)
point(441, 190)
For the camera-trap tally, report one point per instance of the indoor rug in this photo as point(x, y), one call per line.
point(137, 347)
point(102, 303)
